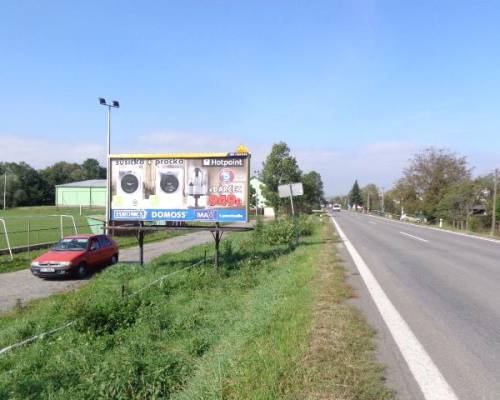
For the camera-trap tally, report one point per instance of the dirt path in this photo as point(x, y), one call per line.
point(24, 286)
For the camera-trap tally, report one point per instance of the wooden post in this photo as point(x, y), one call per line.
point(29, 238)
point(217, 237)
point(141, 243)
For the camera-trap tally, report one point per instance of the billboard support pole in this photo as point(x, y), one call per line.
point(141, 244)
point(217, 237)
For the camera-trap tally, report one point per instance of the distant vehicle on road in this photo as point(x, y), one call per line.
point(336, 207)
point(415, 219)
point(76, 256)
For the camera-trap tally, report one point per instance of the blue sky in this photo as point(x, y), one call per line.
point(354, 87)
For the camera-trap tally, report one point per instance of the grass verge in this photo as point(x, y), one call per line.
point(248, 331)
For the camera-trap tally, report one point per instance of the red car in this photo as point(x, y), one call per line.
point(76, 256)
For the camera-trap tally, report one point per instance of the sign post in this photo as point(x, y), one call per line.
point(290, 190)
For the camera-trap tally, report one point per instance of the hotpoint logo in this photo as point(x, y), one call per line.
point(223, 162)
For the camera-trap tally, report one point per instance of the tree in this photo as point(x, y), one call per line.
point(314, 194)
point(279, 168)
point(25, 186)
point(456, 204)
point(252, 197)
point(92, 170)
point(355, 197)
point(431, 173)
point(391, 202)
point(406, 198)
point(372, 192)
point(58, 174)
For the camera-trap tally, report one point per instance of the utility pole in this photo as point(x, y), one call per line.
point(368, 203)
point(291, 200)
point(383, 205)
point(5, 191)
point(494, 210)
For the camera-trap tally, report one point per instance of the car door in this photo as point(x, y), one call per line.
point(106, 248)
point(94, 253)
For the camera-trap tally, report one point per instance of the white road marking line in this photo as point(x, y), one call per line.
point(373, 223)
point(430, 380)
point(468, 235)
point(414, 237)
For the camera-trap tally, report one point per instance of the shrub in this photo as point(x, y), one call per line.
point(280, 231)
point(305, 226)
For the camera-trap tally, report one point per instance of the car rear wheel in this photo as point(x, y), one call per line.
point(114, 259)
point(82, 271)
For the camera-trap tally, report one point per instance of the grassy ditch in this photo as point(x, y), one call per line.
point(243, 332)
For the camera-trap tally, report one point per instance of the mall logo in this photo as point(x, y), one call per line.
point(206, 214)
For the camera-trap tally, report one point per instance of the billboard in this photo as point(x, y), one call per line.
point(210, 187)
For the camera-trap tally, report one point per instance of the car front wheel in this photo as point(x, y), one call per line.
point(114, 259)
point(82, 271)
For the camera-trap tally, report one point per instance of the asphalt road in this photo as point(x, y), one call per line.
point(447, 289)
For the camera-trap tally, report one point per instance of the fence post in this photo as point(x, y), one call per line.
point(7, 238)
point(29, 238)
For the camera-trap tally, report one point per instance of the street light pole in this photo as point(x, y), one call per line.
point(494, 210)
point(114, 104)
point(108, 146)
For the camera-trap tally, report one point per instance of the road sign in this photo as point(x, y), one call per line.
point(291, 189)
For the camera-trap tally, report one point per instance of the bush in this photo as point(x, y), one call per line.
point(305, 226)
point(280, 231)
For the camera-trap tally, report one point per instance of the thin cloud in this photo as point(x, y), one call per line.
point(40, 153)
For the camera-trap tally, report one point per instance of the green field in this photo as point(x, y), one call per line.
point(245, 331)
point(45, 228)
point(43, 224)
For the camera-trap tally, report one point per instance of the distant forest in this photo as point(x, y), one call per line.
point(27, 186)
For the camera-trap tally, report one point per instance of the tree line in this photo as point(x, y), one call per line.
point(27, 186)
point(280, 167)
point(437, 184)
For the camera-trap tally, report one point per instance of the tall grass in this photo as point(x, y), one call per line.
point(144, 346)
point(240, 332)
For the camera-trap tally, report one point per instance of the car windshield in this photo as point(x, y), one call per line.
point(71, 244)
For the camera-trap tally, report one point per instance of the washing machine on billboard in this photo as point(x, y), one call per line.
point(130, 191)
point(170, 187)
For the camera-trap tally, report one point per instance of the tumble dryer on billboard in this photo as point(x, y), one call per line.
point(170, 187)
